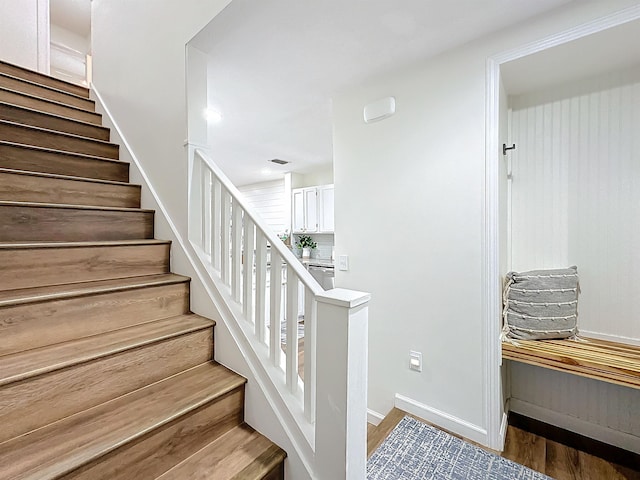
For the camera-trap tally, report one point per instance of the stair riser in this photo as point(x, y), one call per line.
point(23, 100)
point(16, 71)
point(65, 319)
point(35, 267)
point(29, 188)
point(36, 224)
point(34, 118)
point(16, 133)
point(60, 163)
point(26, 405)
point(161, 449)
point(46, 93)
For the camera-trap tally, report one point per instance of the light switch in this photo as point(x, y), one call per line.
point(343, 262)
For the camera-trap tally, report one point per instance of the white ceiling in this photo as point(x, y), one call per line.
point(275, 65)
point(607, 51)
point(72, 15)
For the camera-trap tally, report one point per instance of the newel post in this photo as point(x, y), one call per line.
point(341, 388)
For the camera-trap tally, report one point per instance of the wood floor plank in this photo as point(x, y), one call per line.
point(82, 374)
point(229, 457)
point(35, 317)
point(30, 101)
point(34, 222)
point(21, 186)
point(45, 138)
point(41, 264)
point(37, 159)
point(51, 121)
point(155, 453)
point(43, 91)
point(526, 449)
point(40, 78)
point(75, 441)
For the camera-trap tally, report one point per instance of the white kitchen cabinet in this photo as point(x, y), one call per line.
point(313, 209)
point(305, 210)
point(325, 209)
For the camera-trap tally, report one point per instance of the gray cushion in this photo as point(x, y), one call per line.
point(541, 304)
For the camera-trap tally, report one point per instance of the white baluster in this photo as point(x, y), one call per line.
point(275, 352)
point(261, 286)
point(310, 314)
point(236, 250)
point(216, 211)
point(226, 228)
point(247, 299)
point(204, 176)
point(292, 330)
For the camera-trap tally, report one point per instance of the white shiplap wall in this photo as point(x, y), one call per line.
point(268, 199)
point(576, 201)
point(576, 193)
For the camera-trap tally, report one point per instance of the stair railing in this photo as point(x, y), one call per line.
point(272, 296)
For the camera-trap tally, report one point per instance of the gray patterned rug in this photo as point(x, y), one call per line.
point(415, 451)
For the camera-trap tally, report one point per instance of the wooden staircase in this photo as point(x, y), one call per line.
point(104, 372)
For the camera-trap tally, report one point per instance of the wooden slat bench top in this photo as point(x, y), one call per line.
point(602, 360)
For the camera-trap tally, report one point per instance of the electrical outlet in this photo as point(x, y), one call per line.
point(343, 262)
point(415, 361)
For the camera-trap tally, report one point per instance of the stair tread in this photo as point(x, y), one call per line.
point(47, 87)
point(103, 243)
point(54, 292)
point(63, 446)
point(63, 152)
point(240, 453)
point(53, 115)
point(36, 97)
point(85, 90)
point(65, 177)
point(4, 203)
point(56, 132)
point(30, 363)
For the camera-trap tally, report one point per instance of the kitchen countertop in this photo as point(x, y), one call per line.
point(317, 261)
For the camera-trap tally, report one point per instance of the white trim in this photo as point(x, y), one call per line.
point(442, 419)
point(503, 430)
point(43, 36)
point(577, 425)
point(491, 291)
point(373, 417)
point(298, 439)
point(491, 213)
point(608, 337)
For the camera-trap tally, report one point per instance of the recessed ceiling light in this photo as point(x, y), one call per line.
point(212, 115)
point(278, 161)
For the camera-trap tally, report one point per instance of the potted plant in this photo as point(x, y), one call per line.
point(306, 243)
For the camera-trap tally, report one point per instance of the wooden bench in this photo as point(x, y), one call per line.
point(607, 361)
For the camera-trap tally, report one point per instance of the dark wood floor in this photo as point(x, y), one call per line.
point(536, 452)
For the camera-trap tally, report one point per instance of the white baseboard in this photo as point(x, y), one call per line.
point(610, 338)
point(577, 425)
point(373, 417)
point(503, 430)
point(442, 419)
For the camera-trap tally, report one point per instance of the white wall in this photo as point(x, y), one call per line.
point(139, 69)
point(268, 200)
point(319, 176)
point(24, 33)
point(418, 177)
point(576, 191)
point(70, 39)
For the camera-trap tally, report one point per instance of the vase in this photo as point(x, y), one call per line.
point(306, 252)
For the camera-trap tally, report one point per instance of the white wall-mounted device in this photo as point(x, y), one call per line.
point(379, 110)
